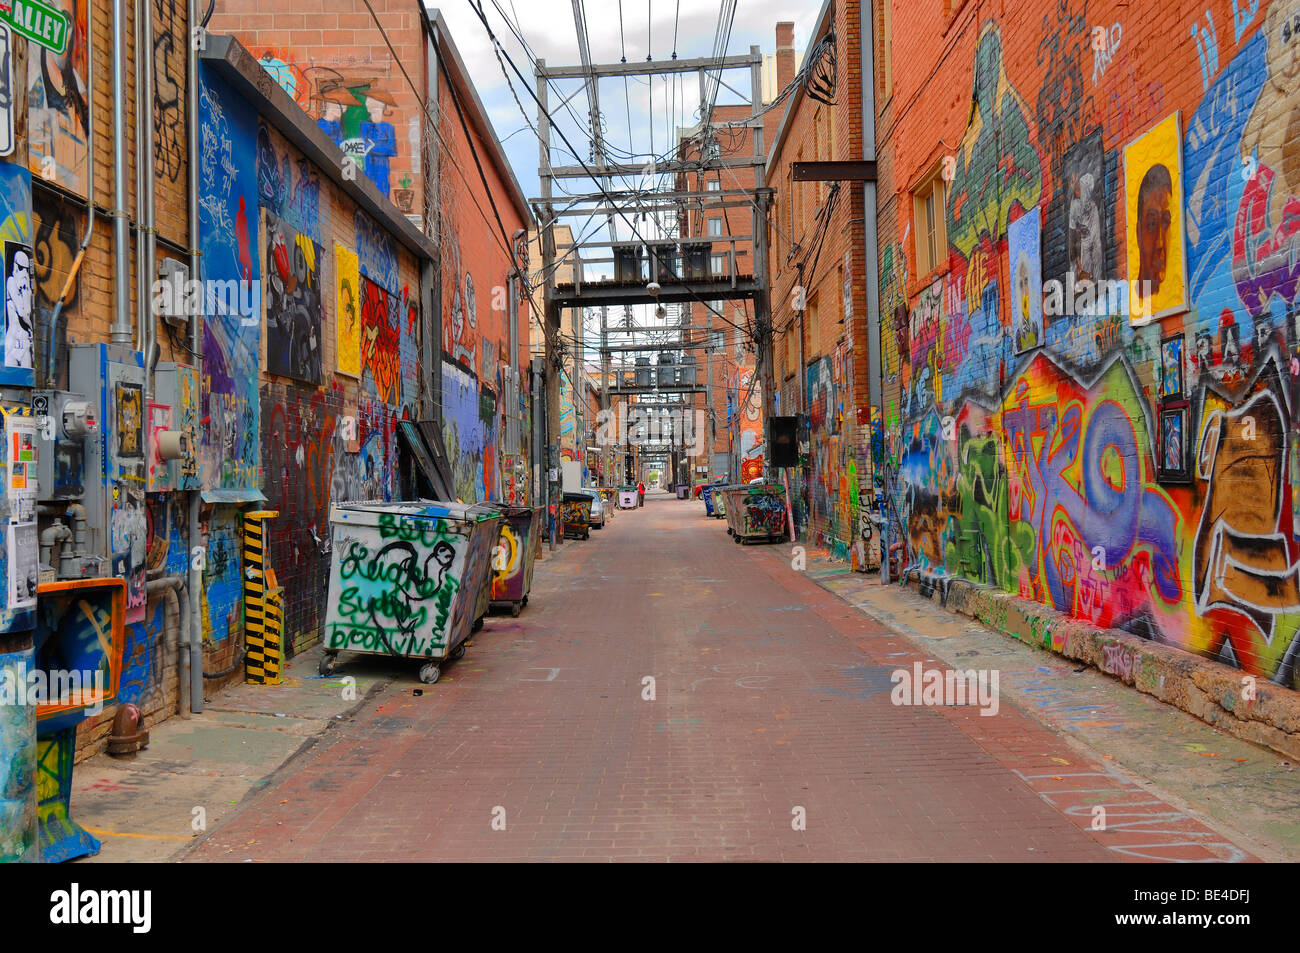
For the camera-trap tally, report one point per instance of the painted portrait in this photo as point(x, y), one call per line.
point(1085, 216)
point(1025, 257)
point(1154, 226)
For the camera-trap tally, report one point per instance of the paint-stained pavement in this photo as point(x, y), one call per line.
point(772, 696)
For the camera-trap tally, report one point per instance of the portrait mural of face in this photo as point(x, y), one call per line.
point(1154, 223)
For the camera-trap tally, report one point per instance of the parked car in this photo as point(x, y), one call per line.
point(597, 506)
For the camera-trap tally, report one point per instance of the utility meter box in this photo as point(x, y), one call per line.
point(66, 424)
point(116, 524)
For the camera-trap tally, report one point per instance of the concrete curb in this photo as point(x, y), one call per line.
point(1207, 689)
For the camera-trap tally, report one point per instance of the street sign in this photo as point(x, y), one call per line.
point(39, 22)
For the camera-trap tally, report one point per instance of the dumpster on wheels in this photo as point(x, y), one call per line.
point(408, 580)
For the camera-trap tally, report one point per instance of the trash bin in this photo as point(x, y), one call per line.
point(720, 505)
point(627, 497)
point(516, 553)
point(575, 511)
point(756, 512)
point(706, 494)
point(683, 491)
point(408, 580)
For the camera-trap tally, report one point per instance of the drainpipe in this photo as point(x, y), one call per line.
point(176, 592)
point(121, 331)
point(196, 344)
point(51, 355)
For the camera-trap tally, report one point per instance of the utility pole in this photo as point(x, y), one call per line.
point(551, 316)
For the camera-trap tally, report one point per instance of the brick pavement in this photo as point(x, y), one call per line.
point(771, 694)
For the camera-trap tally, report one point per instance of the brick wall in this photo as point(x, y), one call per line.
point(1135, 471)
point(829, 379)
point(335, 63)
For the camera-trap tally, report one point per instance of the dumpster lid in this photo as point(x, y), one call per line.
point(233, 495)
point(421, 509)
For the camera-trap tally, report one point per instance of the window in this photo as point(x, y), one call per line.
point(713, 185)
point(718, 264)
point(810, 330)
point(715, 227)
point(928, 211)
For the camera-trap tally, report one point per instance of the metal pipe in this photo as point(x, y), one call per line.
point(175, 587)
point(120, 333)
point(51, 352)
point(195, 658)
point(144, 160)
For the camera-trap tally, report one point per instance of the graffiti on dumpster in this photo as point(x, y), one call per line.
point(398, 598)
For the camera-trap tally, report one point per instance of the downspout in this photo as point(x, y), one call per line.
point(196, 343)
point(121, 332)
point(146, 240)
point(176, 592)
point(875, 372)
point(51, 353)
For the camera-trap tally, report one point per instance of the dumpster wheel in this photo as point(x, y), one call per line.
point(515, 609)
point(328, 663)
point(458, 652)
point(429, 672)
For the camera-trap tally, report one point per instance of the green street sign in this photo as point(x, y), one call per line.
point(41, 23)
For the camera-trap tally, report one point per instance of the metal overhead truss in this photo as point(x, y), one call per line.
point(667, 258)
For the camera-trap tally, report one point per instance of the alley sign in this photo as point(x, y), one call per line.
point(41, 23)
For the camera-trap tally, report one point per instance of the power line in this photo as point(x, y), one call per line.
point(592, 175)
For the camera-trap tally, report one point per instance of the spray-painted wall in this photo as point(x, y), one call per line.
point(1135, 471)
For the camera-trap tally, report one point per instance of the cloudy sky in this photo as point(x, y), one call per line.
point(548, 26)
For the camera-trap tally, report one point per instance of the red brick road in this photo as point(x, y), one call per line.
point(770, 694)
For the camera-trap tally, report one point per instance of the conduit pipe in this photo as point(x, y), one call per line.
point(120, 333)
point(196, 341)
point(177, 595)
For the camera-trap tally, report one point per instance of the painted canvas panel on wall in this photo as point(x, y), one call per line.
point(347, 319)
point(1024, 256)
point(293, 304)
point(58, 111)
point(1154, 225)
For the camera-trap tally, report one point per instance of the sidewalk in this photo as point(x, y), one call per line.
point(143, 808)
point(1226, 782)
point(146, 807)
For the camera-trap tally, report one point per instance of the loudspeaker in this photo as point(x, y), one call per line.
point(781, 448)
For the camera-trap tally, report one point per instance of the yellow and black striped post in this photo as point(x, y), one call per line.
point(273, 662)
point(262, 655)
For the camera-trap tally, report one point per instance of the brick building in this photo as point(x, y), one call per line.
point(348, 76)
point(818, 293)
point(720, 332)
point(1125, 453)
point(173, 367)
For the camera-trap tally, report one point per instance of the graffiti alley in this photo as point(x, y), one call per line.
point(652, 431)
point(770, 694)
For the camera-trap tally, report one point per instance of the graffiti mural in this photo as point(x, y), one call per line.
point(381, 341)
point(350, 105)
point(57, 111)
point(1142, 478)
point(469, 431)
point(294, 307)
point(227, 239)
point(288, 189)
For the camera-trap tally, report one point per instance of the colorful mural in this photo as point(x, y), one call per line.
point(1138, 477)
point(469, 430)
point(228, 225)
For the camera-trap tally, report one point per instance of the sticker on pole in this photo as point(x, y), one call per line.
point(41, 23)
